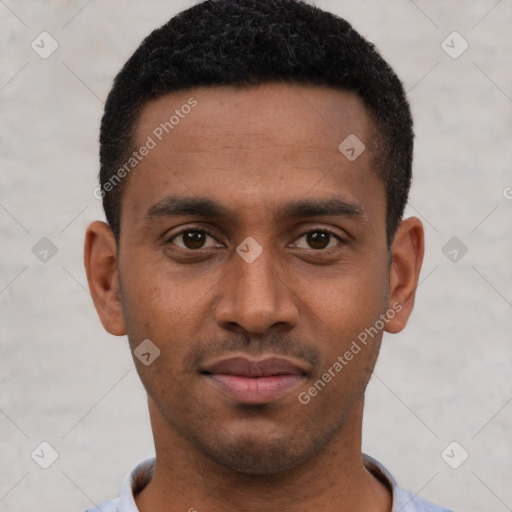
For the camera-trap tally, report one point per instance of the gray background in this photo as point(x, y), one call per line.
point(446, 378)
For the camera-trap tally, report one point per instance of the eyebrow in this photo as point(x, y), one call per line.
point(175, 206)
point(319, 207)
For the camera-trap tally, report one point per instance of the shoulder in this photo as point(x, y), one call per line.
point(107, 506)
point(133, 483)
point(405, 501)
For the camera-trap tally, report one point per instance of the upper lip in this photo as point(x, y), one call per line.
point(246, 367)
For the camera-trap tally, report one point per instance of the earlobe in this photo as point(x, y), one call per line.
point(100, 260)
point(407, 252)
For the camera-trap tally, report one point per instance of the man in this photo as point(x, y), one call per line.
point(255, 164)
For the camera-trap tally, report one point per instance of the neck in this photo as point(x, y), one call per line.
point(333, 480)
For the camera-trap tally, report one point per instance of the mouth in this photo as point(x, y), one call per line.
point(250, 381)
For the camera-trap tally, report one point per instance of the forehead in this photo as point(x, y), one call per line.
point(279, 113)
point(252, 146)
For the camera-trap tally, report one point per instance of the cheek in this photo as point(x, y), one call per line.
point(156, 309)
point(345, 302)
point(152, 293)
point(168, 309)
point(146, 299)
point(344, 318)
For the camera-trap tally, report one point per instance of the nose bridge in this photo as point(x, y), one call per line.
point(255, 296)
point(256, 281)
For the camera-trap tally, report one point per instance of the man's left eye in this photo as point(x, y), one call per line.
point(317, 240)
point(194, 239)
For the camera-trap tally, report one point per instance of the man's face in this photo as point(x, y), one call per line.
point(243, 334)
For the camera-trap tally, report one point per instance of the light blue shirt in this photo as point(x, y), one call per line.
point(403, 501)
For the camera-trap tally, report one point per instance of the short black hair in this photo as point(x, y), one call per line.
point(249, 42)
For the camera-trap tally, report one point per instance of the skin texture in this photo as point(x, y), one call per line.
point(305, 297)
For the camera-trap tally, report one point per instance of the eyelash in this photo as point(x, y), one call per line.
point(187, 230)
point(323, 230)
point(209, 233)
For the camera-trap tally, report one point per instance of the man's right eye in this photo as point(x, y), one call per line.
point(194, 239)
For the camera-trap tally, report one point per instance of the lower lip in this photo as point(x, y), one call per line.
point(255, 390)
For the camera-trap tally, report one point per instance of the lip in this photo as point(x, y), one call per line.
point(251, 381)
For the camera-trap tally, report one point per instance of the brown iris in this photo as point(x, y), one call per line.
point(194, 239)
point(318, 239)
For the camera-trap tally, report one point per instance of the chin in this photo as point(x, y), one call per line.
point(257, 459)
point(260, 454)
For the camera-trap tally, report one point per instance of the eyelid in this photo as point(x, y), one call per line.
point(185, 229)
point(169, 239)
point(335, 234)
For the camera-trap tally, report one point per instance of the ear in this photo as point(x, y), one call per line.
point(100, 260)
point(407, 252)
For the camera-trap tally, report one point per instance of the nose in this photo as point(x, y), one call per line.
point(256, 296)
